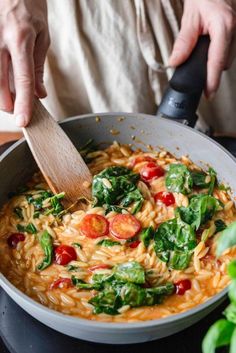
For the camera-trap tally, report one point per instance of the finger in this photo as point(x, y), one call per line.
point(23, 71)
point(40, 51)
point(217, 54)
point(184, 44)
point(6, 102)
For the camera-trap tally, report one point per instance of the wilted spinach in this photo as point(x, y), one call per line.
point(117, 187)
point(174, 242)
point(227, 239)
point(179, 179)
point(18, 212)
point(108, 243)
point(200, 179)
point(200, 210)
point(220, 225)
point(147, 235)
point(123, 286)
point(55, 207)
point(30, 228)
point(46, 243)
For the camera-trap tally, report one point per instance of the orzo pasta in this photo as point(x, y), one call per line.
point(145, 248)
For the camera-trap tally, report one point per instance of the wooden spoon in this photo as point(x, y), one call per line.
point(60, 163)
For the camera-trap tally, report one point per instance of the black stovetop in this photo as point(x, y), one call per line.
point(21, 333)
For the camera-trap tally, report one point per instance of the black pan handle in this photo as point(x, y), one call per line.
point(181, 99)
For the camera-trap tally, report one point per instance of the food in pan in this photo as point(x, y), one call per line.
point(144, 249)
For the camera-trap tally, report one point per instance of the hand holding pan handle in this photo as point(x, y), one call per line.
point(181, 99)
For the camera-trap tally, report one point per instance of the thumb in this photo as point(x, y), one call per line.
point(183, 45)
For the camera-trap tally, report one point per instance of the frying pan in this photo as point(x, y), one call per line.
point(140, 130)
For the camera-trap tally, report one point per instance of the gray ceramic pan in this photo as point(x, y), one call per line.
point(17, 164)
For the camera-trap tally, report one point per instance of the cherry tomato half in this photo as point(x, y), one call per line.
point(94, 226)
point(165, 197)
point(182, 286)
point(124, 226)
point(99, 267)
point(65, 254)
point(61, 283)
point(151, 171)
point(14, 239)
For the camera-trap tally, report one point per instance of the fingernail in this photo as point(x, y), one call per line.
point(20, 120)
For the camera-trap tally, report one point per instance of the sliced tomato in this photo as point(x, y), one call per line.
point(134, 244)
point(124, 226)
point(165, 197)
point(65, 254)
point(141, 159)
point(14, 239)
point(182, 285)
point(151, 171)
point(94, 226)
point(99, 267)
point(61, 283)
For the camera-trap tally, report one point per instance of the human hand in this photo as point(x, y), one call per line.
point(216, 18)
point(24, 41)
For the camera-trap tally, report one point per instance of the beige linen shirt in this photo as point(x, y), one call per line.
point(108, 55)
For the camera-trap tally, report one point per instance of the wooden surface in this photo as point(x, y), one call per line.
point(56, 156)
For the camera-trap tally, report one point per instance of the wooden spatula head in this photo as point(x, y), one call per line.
point(59, 161)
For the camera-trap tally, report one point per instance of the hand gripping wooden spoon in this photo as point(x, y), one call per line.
point(60, 163)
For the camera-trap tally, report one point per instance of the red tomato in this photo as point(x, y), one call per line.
point(65, 254)
point(94, 226)
point(151, 171)
point(61, 283)
point(98, 267)
point(182, 286)
point(124, 226)
point(134, 244)
point(165, 197)
point(14, 239)
point(141, 159)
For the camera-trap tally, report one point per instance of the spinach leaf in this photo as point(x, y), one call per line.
point(130, 272)
point(147, 235)
point(18, 212)
point(108, 243)
point(220, 225)
point(117, 294)
point(223, 187)
point(200, 179)
point(179, 179)
point(46, 243)
point(174, 240)
point(80, 284)
point(218, 335)
point(113, 208)
point(72, 268)
point(227, 239)
point(200, 210)
point(30, 228)
point(55, 207)
point(116, 186)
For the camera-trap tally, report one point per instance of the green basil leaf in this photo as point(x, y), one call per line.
point(46, 243)
point(218, 335)
point(179, 179)
point(230, 313)
point(130, 272)
point(227, 239)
